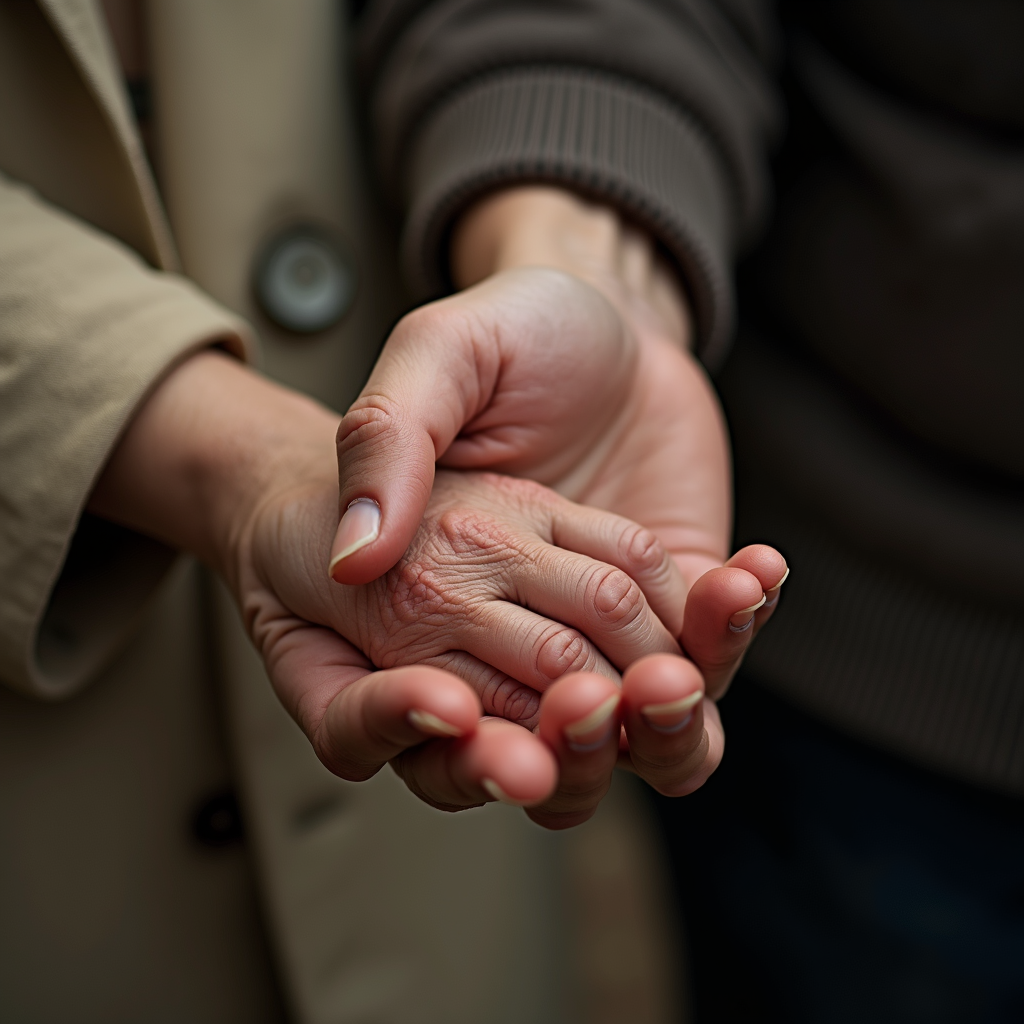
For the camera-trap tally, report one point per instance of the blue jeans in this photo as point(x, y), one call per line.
point(823, 882)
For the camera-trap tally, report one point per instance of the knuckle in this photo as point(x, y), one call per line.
point(476, 536)
point(417, 616)
point(642, 550)
point(561, 652)
point(369, 418)
point(508, 698)
point(617, 598)
point(417, 595)
point(500, 694)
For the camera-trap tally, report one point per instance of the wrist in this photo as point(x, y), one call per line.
point(206, 450)
point(552, 227)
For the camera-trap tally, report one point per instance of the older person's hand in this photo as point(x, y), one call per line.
point(506, 586)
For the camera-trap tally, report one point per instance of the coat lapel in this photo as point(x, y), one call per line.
point(80, 26)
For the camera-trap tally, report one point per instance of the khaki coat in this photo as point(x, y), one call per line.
point(132, 697)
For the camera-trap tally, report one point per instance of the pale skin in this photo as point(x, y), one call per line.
point(506, 586)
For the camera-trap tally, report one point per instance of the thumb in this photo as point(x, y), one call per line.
point(438, 369)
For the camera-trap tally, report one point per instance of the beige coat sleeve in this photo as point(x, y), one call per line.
point(86, 330)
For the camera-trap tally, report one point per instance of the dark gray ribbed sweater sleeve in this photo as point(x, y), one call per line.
point(662, 108)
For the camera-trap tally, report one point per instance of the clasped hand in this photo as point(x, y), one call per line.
point(563, 621)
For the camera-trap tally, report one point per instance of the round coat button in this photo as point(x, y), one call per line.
point(304, 281)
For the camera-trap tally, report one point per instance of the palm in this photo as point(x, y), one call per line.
point(669, 466)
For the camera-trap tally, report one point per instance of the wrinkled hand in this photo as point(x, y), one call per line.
point(505, 583)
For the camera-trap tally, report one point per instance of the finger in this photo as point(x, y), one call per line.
point(429, 380)
point(308, 666)
point(499, 694)
point(377, 717)
point(598, 599)
point(724, 610)
point(580, 723)
point(356, 719)
point(500, 761)
point(718, 625)
point(629, 547)
point(675, 736)
point(530, 648)
point(771, 570)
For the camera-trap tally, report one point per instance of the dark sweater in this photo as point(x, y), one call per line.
point(874, 380)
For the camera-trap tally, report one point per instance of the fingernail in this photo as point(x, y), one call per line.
point(590, 732)
point(495, 792)
point(773, 594)
point(673, 715)
point(742, 620)
point(431, 724)
point(359, 526)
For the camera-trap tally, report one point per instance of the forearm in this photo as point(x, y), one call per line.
point(553, 227)
point(204, 448)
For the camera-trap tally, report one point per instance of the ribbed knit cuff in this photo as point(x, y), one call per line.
point(597, 134)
